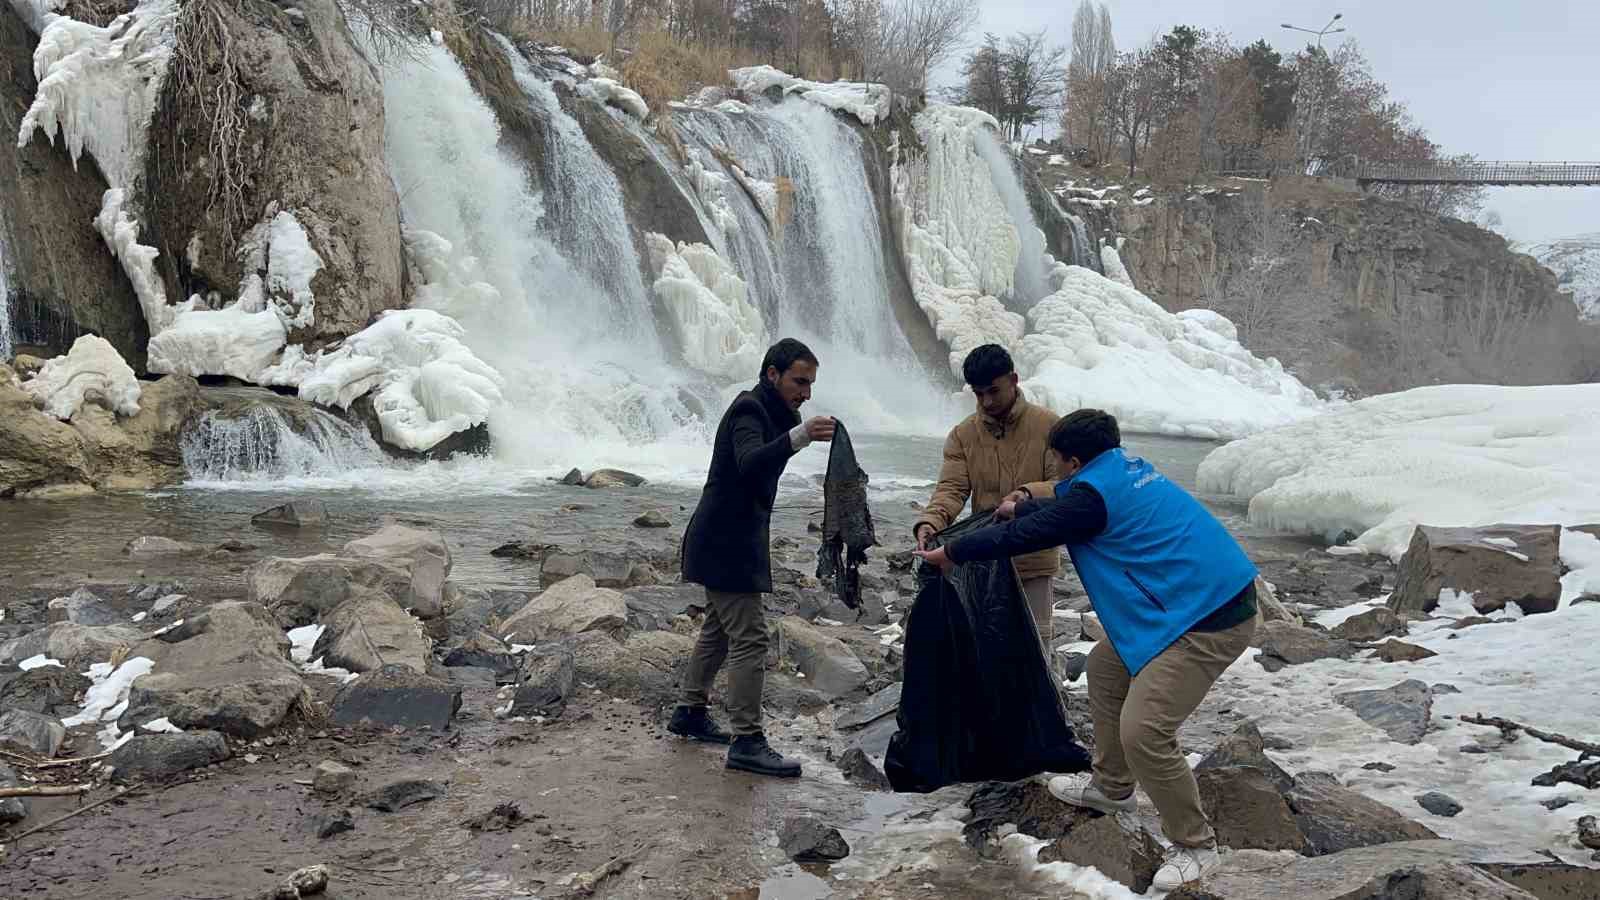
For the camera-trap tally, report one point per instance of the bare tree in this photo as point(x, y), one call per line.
point(1134, 100)
point(1093, 54)
point(918, 36)
point(1034, 80)
point(1268, 297)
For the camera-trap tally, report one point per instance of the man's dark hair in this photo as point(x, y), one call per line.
point(986, 363)
point(1085, 433)
point(784, 354)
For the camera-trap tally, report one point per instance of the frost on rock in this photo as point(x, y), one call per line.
point(291, 264)
point(231, 341)
point(91, 366)
point(712, 187)
point(428, 384)
point(1449, 455)
point(764, 193)
point(1111, 261)
point(121, 233)
point(867, 102)
point(1100, 344)
point(606, 91)
point(720, 331)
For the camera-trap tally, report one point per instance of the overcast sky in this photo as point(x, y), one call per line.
point(1501, 79)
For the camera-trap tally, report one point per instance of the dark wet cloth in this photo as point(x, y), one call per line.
point(847, 529)
point(978, 703)
point(726, 546)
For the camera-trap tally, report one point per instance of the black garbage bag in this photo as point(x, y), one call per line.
point(847, 529)
point(978, 702)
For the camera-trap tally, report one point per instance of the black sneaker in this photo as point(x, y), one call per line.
point(694, 723)
point(752, 753)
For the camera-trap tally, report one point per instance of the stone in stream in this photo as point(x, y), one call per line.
point(1372, 625)
point(1335, 818)
point(294, 514)
point(1120, 847)
point(1589, 832)
point(398, 795)
point(1555, 803)
point(573, 478)
point(808, 839)
point(612, 478)
point(1073, 665)
point(422, 554)
point(34, 732)
point(75, 646)
point(1439, 804)
point(1402, 711)
point(155, 547)
point(652, 519)
point(1496, 564)
point(158, 757)
point(1246, 747)
point(396, 695)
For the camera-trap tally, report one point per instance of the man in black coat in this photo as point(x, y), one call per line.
point(725, 549)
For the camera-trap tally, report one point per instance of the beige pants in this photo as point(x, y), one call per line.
point(1136, 724)
point(735, 631)
point(1041, 596)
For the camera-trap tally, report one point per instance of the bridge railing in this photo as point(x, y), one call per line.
point(1481, 172)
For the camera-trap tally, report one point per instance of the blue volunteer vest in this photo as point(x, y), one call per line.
point(1162, 564)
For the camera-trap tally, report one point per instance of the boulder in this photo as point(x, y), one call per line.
point(644, 668)
point(1248, 810)
point(44, 689)
point(301, 590)
point(860, 771)
point(294, 514)
point(156, 547)
point(1245, 747)
point(1401, 711)
point(569, 607)
point(612, 478)
point(655, 607)
point(1400, 651)
point(546, 682)
point(1496, 564)
point(486, 651)
point(35, 732)
point(75, 646)
point(808, 839)
point(158, 757)
point(652, 519)
point(1335, 818)
point(37, 452)
point(396, 696)
point(423, 554)
point(573, 478)
point(1372, 625)
point(1121, 847)
point(1439, 804)
point(607, 569)
point(825, 661)
point(883, 703)
point(534, 550)
point(143, 451)
point(1029, 805)
point(1287, 644)
point(368, 631)
point(473, 610)
point(225, 668)
point(84, 607)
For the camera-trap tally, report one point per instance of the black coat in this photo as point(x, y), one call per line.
point(726, 546)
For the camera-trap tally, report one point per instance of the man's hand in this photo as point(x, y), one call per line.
point(923, 532)
point(820, 428)
point(937, 558)
point(1006, 511)
point(1017, 496)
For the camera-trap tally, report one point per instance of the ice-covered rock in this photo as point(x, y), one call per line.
point(720, 331)
point(607, 91)
point(91, 367)
point(867, 102)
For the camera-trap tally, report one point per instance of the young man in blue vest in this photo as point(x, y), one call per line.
point(1176, 596)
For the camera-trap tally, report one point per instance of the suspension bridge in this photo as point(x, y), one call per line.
point(1488, 174)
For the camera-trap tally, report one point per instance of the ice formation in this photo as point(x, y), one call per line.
point(91, 366)
point(721, 332)
point(867, 102)
point(606, 91)
point(1451, 455)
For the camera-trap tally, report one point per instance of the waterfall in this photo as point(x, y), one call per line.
point(5, 301)
point(261, 439)
point(1082, 250)
point(1031, 282)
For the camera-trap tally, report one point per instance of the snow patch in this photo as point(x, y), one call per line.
point(1450, 455)
point(92, 365)
point(720, 331)
point(303, 640)
point(291, 264)
point(1097, 343)
point(120, 230)
point(1580, 553)
point(107, 698)
point(231, 341)
point(867, 102)
point(162, 725)
point(39, 661)
point(605, 91)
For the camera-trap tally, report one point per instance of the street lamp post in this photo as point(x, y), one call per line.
point(1326, 29)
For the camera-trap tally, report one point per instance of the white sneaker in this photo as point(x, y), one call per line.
point(1082, 792)
point(1185, 865)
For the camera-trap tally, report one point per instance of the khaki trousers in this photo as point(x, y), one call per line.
point(735, 631)
point(1136, 724)
point(1041, 596)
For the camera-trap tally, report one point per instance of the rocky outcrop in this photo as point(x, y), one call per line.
point(301, 120)
point(1496, 565)
point(62, 280)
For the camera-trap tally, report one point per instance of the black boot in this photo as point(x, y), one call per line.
point(752, 753)
point(694, 723)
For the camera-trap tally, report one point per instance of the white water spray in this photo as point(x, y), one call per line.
point(266, 443)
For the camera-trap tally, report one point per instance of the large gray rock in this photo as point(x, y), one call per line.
point(423, 554)
point(368, 631)
point(883, 703)
point(305, 78)
point(859, 770)
point(37, 452)
point(1248, 810)
point(301, 590)
point(1121, 847)
point(1497, 564)
point(44, 689)
point(157, 757)
point(1029, 805)
point(84, 607)
point(809, 839)
point(1335, 818)
point(645, 668)
point(294, 514)
point(654, 607)
point(1402, 711)
point(75, 646)
point(34, 732)
point(1245, 747)
point(1287, 644)
point(225, 668)
point(606, 568)
point(612, 478)
point(826, 662)
point(484, 650)
point(547, 678)
point(1400, 651)
point(1372, 625)
point(570, 607)
point(395, 695)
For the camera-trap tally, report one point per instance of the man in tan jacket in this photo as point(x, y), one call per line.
point(999, 453)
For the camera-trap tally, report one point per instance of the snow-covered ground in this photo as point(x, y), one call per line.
point(867, 102)
point(1576, 262)
point(1453, 455)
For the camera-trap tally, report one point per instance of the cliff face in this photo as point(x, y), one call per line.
point(1352, 292)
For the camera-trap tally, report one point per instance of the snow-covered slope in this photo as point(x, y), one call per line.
point(1453, 455)
point(1576, 262)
